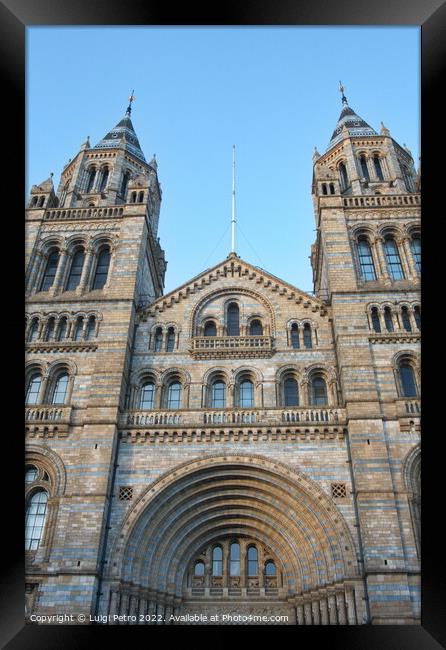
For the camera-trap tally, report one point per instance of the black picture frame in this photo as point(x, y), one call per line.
point(430, 15)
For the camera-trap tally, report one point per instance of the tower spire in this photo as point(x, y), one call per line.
point(129, 107)
point(233, 218)
point(341, 90)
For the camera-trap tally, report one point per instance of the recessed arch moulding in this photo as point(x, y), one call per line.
point(220, 497)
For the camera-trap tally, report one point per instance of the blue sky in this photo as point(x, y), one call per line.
point(271, 91)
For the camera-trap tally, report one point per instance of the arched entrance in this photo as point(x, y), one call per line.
point(245, 500)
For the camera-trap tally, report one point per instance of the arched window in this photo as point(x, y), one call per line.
point(199, 568)
point(234, 564)
point(31, 474)
point(124, 182)
point(255, 328)
point(33, 330)
point(290, 392)
point(407, 379)
point(417, 316)
point(407, 178)
point(133, 197)
point(393, 259)
point(406, 319)
point(147, 395)
point(332, 188)
point(246, 394)
point(375, 320)
point(35, 519)
point(415, 244)
point(307, 336)
point(318, 392)
point(91, 329)
point(75, 270)
point(158, 339)
point(78, 329)
point(50, 329)
point(33, 389)
point(104, 179)
point(210, 328)
point(388, 319)
point(100, 277)
point(344, 176)
point(233, 325)
point(41, 201)
point(34, 201)
point(170, 343)
point(50, 271)
point(324, 188)
point(60, 389)
point(253, 561)
point(174, 395)
point(217, 561)
point(218, 394)
point(295, 336)
point(62, 329)
point(140, 197)
point(378, 168)
point(90, 179)
point(270, 568)
point(366, 265)
point(364, 168)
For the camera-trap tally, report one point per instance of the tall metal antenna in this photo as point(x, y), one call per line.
point(233, 219)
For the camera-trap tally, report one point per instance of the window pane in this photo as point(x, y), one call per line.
point(210, 329)
point(366, 266)
point(408, 380)
point(253, 565)
point(291, 392)
point(75, 271)
point(406, 320)
point(364, 168)
point(375, 320)
point(31, 474)
point(295, 336)
point(158, 340)
point(416, 251)
point(218, 400)
point(60, 389)
point(50, 271)
point(170, 340)
point(417, 315)
point(35, 519)
point(49, 329)
point(307, 336)
point(270, 568)
point(174, 395)
point(101, 274)
point(393, 260)
point(217, 561)
point(78, 329)
point(91, 328)
point(104, 179)
point(62, 331)
point(32, 393)
point(378, 169)
point(388, 319)
point(256, 328)
point(199, 569)
point(147, 395)
point(233, 320)
point(246, 394)
point(319, 391)
point(234, 565)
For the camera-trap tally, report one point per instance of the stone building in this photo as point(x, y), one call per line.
point(236, 447)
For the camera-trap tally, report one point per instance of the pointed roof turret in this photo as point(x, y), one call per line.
point(349, 123)
point(123, 135)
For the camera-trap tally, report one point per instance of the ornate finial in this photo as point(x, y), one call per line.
point(384, 129)
point(129, 107)
point(51, 175)
point(341, 90)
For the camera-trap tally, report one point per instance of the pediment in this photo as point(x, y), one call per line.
point(234, 267)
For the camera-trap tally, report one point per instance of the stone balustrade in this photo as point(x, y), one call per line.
point(224, 346)
point(48, 414)
point(382, 200)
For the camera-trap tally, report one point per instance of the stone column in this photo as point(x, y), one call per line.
point(323, 606)
point(378, 243)
point(301, 336)
point(85, 271)
point(308, 614)
point(114, 603)
point(56, 286)
point(142, 610)
point(133, 605)
point(409, 257)
point(300, 612)
point(342, 614)
point(404, 261)
point(167, 613)
point(332, 609)
point(315, 611)
point(124, 606)
point(350, 602)
point(160, 612)
point(34, 271)
point(151, 610)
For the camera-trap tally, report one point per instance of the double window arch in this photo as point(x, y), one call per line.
point(247, 389)
point(407, 372)
point(216, 389)
point(393, 256)
point(302, 334)
point(164, 337)
point(81, 326)
point(343, 175)
point(175, 389)
point(365, 255)
point(49, 386)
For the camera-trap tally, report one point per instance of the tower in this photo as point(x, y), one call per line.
point(93, 257)
point(366, 265)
